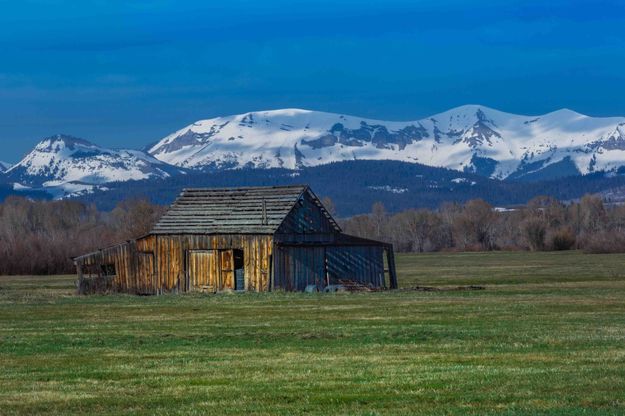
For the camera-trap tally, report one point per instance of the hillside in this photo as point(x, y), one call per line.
point(399, 185)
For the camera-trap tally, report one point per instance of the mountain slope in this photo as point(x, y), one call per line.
point(4, 166)
point(399, 185)
point(64, 164)
point(469, 138)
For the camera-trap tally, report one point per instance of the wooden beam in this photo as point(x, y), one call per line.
point(390, 259)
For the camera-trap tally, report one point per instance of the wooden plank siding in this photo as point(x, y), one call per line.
point(168, 258)
point(162, 263)
point(130, 260)
point(307, 222)
point(362, 264)
point(297, 266)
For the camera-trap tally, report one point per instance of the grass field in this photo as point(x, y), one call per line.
point(547, 336)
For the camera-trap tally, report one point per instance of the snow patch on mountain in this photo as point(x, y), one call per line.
point(4, 166)
point(69, 165)
point(463, 180)
point(388, 188)
point(470, 138)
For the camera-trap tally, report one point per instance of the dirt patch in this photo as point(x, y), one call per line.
point(442, 289)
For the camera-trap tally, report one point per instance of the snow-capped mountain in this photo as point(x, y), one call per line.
point(4, 166)
point(65, 165)
point(470, 138)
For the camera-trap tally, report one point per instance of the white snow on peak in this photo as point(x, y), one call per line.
point(71, 163)
point(470, 137)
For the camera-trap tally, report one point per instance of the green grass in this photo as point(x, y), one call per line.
point(547, 336)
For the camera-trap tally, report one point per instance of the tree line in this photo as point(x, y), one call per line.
point(41, 237)
point(544, 223)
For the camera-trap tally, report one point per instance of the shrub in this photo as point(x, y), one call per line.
point(605, 242)
point(534, 231)
point(562, 239)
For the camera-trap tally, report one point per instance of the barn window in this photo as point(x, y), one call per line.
point(90, 270)
point(108, 270)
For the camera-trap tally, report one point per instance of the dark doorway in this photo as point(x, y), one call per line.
point(239, 270)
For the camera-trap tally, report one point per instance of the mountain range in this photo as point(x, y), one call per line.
point(472, 140)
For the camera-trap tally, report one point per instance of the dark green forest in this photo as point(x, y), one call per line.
point(355, 186)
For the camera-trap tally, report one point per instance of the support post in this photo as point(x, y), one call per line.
point(80, 277)
point(390, 259)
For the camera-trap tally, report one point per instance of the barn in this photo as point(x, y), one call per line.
point(244, 239)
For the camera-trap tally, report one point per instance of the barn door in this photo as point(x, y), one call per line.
point(145, 275)
point(203, 270)
point(227, 269)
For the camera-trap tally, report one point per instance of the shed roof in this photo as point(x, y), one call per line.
point(248, 210)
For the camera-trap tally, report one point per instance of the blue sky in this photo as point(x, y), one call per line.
point(125, 73)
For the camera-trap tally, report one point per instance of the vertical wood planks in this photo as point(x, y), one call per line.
point(227, 269)
point(170, 263)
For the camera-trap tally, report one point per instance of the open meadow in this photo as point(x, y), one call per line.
point(545, 337)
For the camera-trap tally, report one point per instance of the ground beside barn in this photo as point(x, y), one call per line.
point(546, 336)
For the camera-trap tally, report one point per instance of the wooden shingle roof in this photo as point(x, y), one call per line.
point(249, 210)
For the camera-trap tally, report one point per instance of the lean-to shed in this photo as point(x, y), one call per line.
point(252, 238)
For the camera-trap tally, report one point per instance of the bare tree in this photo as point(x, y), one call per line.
point(378, 216)
point(40, 237)
point(419, 225)
point(476, 224)
point(592, 214)
point(534, 231)
point(135, 217)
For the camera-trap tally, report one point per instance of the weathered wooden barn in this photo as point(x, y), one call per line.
point(253, 238)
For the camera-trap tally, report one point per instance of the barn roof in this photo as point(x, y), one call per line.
point(248, 210)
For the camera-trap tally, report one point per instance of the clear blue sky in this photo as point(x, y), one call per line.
point(124, 73)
